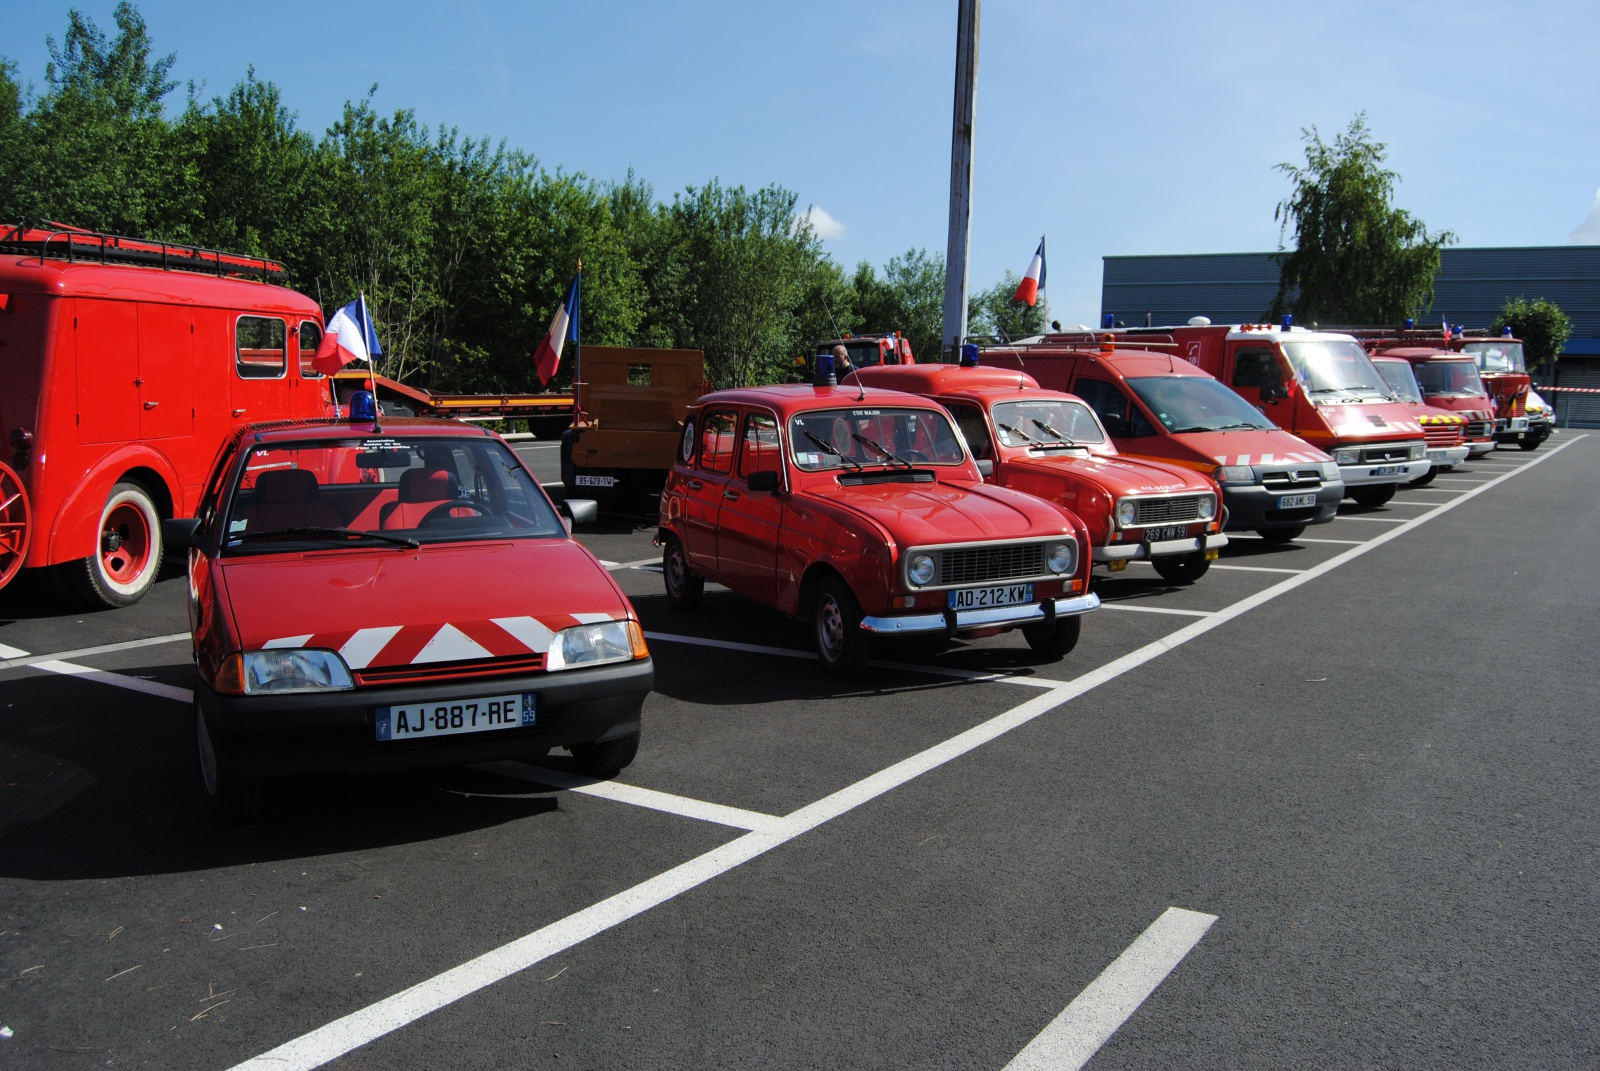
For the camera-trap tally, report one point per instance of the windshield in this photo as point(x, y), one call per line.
point(1046, 421)
point(1496, 356)
point(1335, 370)
point(868, 436)
point(1449, 377)
point(1196, 403)
point(405, 492)
point(1398, 375)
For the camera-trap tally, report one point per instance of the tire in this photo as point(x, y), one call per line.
point(836, 626)
point(1530, 442)
point(1426, 478)
point(684, 588)
point(607, 758)
point(569, 472)
point(1373, 495)
point(1054, 640)
point(230, 795)
point(1281, 535)
point(126, 559)
point(1182, 568)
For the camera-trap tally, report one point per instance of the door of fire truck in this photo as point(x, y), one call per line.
point(309, 390)
point(1257, 375)
point(166, 371)
point(106, 334)
point(259, 389)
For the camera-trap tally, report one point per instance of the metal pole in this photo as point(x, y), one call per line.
point(955, 257)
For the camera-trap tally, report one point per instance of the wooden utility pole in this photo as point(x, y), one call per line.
point(955, 257)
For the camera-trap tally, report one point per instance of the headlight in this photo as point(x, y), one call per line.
point(1346, 457)
point(1061, 557)
point(284, 672)
point(1418, 451)
point(1234, 474)
point(1127, 512)
point(1208, 507)
point(595, 645)
point(1330, 471)
point(920, 569)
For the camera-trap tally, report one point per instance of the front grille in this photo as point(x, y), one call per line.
point(974, 565)
point(1442, 434)
point(443, 671)
point(1386, 453)
point(1292, 479)
point(1519, 405)
point(1174, 509)
point(1480, 429)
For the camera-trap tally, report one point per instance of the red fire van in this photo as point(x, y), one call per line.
point(126, 366)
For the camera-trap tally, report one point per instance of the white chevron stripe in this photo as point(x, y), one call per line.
point(530, 633)
point(450, 644)
point(287, 641)
point(359, 650)
point(592, 619)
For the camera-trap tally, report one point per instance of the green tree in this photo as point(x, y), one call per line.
point(1540, 324)
point(1357, 259)
point(994, 313)
point(907, 297)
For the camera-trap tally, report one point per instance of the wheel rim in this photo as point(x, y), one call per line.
point(13, 524)
point(208, 755)
point(830, 628)
point(125, 544)
point(675, 571)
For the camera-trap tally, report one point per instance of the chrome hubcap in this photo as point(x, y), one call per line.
point(830, 628)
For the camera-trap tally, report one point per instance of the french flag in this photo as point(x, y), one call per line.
point(1033, 281)
point(350, 337)
point(563, 326)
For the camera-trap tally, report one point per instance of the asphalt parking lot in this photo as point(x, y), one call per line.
point(1331, 806)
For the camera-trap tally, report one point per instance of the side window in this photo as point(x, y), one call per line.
point(717, 440)
point(1255, 368)
point(759, 451)
point(969, 418)
point(1108, 403)
point(310, 339)
point(686, 445)
point(261, 346)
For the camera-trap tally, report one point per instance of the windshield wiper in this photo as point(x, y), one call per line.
point(1240, 425)
point(830, 448)
point(886, 453)
point(402, 541)
point(1048, 430)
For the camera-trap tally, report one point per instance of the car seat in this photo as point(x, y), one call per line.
point(421, 492)
point(287, 498)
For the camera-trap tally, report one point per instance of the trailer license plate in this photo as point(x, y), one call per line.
point(1388, 470)
point(595, 481)
point(1158, 535)
point(446, 717)
point(982, 598)
point(1296, 501)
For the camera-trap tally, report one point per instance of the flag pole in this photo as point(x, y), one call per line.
point(577, 340)
point(372, 365)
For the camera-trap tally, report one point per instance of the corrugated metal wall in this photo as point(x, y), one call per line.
point(1236, 287)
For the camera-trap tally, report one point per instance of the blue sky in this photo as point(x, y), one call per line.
point(1115, 128)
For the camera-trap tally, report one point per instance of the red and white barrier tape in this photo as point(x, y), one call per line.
point(1569, 390)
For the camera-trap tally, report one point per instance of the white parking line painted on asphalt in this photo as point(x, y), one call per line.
point(1254, 568)
point(1380, 520)
point(614, 566)
point(1095, 1014)
point(648, 798)
point(17, 656)
point(367, 1024)
point(15, 661)
point(1302, 539)
point(1104, 605)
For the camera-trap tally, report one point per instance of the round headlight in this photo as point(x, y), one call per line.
point(920, 568)
point(1208, 507)
point(1062, 557)
point(1127, 512)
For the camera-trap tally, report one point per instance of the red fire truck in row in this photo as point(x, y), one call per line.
point(124, 365)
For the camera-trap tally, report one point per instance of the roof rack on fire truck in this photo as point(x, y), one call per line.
point(58, 241)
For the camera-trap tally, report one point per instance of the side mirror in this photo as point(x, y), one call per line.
point(579, 511)
point(1274, 392)
point(985, 467)
point(762, 481)
point(179, 532)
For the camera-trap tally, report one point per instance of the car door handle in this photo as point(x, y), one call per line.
point(695, 485)
point(151, 405)
point(730, 493)
point(238, 412)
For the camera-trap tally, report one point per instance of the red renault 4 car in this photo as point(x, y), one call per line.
point(1052, 445)
point(366, 598)
point(860, 511)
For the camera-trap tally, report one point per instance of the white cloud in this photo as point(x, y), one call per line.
point(1588, 232)
point(825, 226)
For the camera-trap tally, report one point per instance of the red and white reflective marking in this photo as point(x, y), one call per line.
point(1275, 459)
point(451, 641)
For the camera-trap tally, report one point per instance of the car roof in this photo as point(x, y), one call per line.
point(943, 378)
point(802, 397)
point(125, 282)
point(279, 431)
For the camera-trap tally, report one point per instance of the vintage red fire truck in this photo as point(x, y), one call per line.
point(1158, 407)
point(1445, 430)
point(1504, 370)
point(1051, 444)
point(860, 510)
point(1447, 380)
point(126, 365)
point(1318, 384)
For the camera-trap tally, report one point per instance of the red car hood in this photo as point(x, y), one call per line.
point(1370, 423)
point(437, 604)
point(1253, 446)
point(924, 514)
point(1119, 475)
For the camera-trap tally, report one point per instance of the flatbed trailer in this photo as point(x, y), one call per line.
point(547, 414)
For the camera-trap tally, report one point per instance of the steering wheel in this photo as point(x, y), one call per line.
point(443, 509)
point(917, 456)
